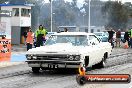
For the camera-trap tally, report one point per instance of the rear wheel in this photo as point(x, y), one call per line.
point(35, 69)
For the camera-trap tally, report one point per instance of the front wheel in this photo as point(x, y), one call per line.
point(99, 65)
point(35, 69)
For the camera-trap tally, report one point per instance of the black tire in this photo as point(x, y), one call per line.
point(86, 63)
point(81, 80)
point(99, 65)
point(35, 69)
point(102, 64)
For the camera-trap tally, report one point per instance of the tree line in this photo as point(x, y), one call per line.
point(109, 14)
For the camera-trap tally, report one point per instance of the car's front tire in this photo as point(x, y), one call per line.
point(99, 65)
point(102, 64)
point(35, 69)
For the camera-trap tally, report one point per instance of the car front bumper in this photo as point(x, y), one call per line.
point(50, 63)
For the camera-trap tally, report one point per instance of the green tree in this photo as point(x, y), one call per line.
point(116, 13)
point(96, 18)
point(63, 14)
point(36, 12)
point(129, 7)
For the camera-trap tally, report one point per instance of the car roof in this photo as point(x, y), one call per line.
point(51, 32)
point(73, 33)
point(100, 32)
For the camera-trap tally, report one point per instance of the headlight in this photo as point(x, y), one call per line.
point(74, 57)
point(71, 57)
point(77, 57)
point(34, 57)
point(29, 57)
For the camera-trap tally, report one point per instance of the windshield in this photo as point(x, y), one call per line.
point(75, 40)
point(98, 34)
point(101, 34)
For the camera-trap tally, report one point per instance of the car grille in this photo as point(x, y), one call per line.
point(53, 57)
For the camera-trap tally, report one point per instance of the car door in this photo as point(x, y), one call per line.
point(96, 49)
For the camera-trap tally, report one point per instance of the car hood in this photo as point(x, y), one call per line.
point(59, 48)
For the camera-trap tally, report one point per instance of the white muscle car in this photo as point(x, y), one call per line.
point(69, 50)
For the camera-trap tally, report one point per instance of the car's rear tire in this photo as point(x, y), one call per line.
point(35, 69)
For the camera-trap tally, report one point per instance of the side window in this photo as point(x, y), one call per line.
point(93, 40)
point(25, 12)
point(97, 40)
point(15, 11)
